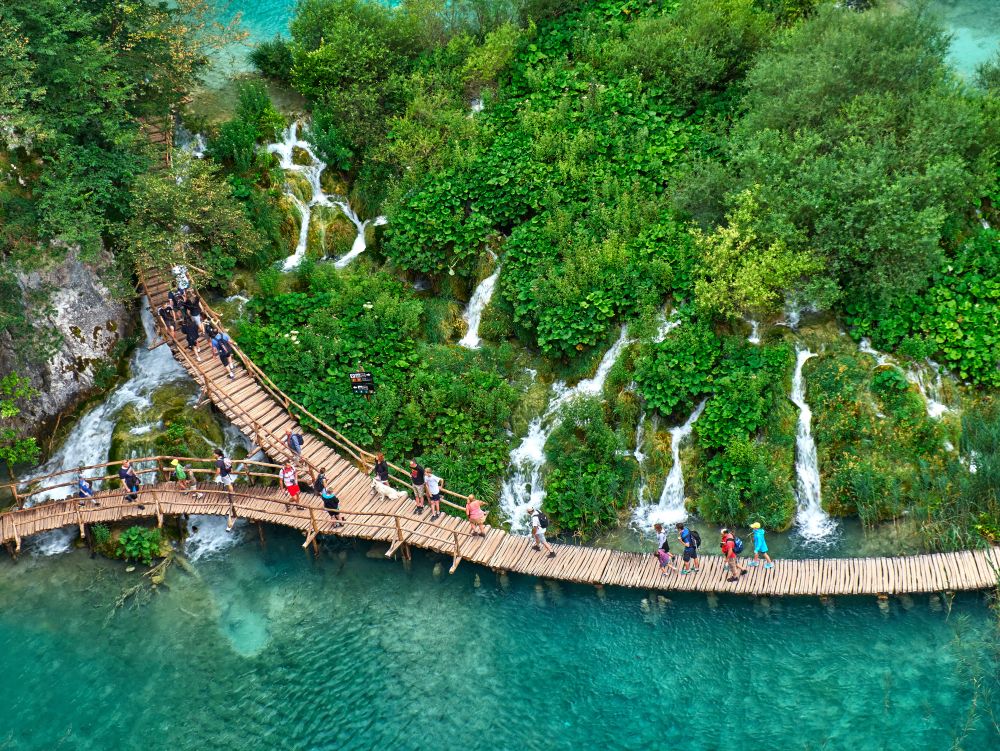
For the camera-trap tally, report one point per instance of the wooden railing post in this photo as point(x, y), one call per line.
point(17, 499)
point(159, 511)
point(79, 519)
point(458, 553)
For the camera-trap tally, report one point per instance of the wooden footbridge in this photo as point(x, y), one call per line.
point(256, 405)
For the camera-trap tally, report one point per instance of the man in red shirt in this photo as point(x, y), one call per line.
point(729, 553)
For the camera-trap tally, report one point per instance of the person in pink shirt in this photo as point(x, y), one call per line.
point(477, 517)
point(664, 557)
point(290, 482)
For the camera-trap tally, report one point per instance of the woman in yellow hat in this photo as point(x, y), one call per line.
point(760, 547)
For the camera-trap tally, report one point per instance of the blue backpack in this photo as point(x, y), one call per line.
point(737, 545)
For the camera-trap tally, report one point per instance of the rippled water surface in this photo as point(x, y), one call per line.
point(274, 649)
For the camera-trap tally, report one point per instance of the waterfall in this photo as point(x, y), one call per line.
point(474, 313)
point(670, 508)
point(89, 441)
point(930, 389)
point(814, 523)
point(523, 486)
point(313, 172)
point(638, 455)
point(754, 337)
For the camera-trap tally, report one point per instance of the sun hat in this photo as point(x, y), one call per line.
point(755, 525)
point(174, 463)
point(725, 529)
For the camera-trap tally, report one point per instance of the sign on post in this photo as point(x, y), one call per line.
point(362, 383)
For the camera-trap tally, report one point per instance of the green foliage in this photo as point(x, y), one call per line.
point(273, 59)
point(674, 374)
point(100, 533)
point(743, 484)
point(589, 479)
point(15, 448)
point(139, 544)
point(955, 320)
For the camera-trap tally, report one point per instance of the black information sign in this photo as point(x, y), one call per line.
point(362, 383)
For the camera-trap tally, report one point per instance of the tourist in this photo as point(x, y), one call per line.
point(760, 547)
point(290, 481)
point(192, 306)
point(224, 476)
point(539, 523)
point(476, 515)
point(180, 475)
point(664, 557)
point(210, 332)
point(294, 441)
point(166, 314)
point(131, 481)
point(320, 484)
point(730, 550)
point(434, 485)
point(223, 347)
point(191, 333)
point(419, 486)
point(85, 489)
point(381, 468)
point(691, 540)
point(332, 505)
point(176, 298)
point(661, 538)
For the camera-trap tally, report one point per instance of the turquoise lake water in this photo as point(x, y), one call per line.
point(274, 649)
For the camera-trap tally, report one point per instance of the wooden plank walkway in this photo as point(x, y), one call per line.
point(257, 408)
point(374, 518)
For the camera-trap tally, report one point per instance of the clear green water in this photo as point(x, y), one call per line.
point(274, 650)
point(975, 29)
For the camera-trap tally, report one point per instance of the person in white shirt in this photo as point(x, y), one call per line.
point(434, 485)
point(538, 531)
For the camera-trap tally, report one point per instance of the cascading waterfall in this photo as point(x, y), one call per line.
point(670, 508)
point(474, 313)
point(89, 441)
point(815, 525)
point(754, 337)
point(930, 389)
point(523, 486)
point(313, 172)
point(639, 455)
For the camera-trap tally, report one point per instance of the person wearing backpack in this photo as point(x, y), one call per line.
point(691, 541)
point(760, 547)
point(732, 546)
point(223, 347)
point(539, 523)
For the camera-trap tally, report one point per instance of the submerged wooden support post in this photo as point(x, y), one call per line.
point(260, 533)
point(159, 511)
point(79, 519)
point(17, 537)
point(401, 539)
point(458, 553)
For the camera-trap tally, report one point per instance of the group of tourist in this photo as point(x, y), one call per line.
point(183, 311)
point(730, 545)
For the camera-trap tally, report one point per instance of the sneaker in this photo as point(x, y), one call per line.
point(696, 571)
point(768, 565)
point(434, 516)
point(552, 554)
point(81, 503)
point(732, 579)
point(663, 573)
point(97, 503)
point(754, 563)
point(536, 547)
point(743, 572)
point(142, 508)
point(685, 571)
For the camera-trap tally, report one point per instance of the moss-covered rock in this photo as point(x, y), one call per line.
point(331, 233)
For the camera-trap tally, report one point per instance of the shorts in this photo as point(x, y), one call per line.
point(192, 341)
point(293, 490)
point(197, 320)
point(226, 480)
point(540, 537)
point(761, 550)
point(690, 553)
point(419, 491)
point(331, 505)
point(224, 358)
point(436, 497)
point(665, 563)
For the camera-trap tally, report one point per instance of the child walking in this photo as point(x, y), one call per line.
point(760, 547)
point(665, 557)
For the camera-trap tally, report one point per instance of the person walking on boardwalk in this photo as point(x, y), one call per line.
point(434, 485)
point(223, 347)
point(661, 538)
point(419, 486)
point(730, 550)
point(224, 476)
point(180, 475)
point(176, 298)
point(191, 334)
point(85, 489)
point(691, 541)
point(192, 307)
point(290, 482)
point(662, 552)
point(539, 523)
point(166, 314)
point(294, 442)
point(760, 547)
point(476, 515)
point(381, 468)
point(332, 505)
point(130, 480)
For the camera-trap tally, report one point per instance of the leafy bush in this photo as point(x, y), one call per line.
point(139, 544)
point(273, 59)
point(678, 371)
point(100, 533)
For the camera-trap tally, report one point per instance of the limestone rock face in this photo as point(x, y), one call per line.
point(80, 311)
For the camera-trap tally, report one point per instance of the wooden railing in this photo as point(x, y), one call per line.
point(365, 459)
point(241, 502)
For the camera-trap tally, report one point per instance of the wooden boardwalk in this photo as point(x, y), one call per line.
point(378, 519)
point(258, 408)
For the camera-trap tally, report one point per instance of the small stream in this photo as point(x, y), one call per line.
point(814, 524)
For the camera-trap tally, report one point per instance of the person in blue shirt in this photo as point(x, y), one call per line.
point(86, 489)
point(760, 547)
point(690, 542)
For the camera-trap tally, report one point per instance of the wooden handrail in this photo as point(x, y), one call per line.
point(364, 457)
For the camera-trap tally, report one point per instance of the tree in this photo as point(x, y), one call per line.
point(14, 447)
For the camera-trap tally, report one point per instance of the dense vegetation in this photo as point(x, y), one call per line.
point(712, 160)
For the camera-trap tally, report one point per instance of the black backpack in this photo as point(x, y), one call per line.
point(543, 520)
point(694, 538)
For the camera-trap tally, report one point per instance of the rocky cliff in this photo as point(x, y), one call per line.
point(86, 321)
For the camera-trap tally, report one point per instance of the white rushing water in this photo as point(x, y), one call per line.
point(313, 173)
point(754, 337)
point(474, 313)
point(814, 524)
point(89, 441)
point(670, 508)
point(930, 385)
point(523, 487)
